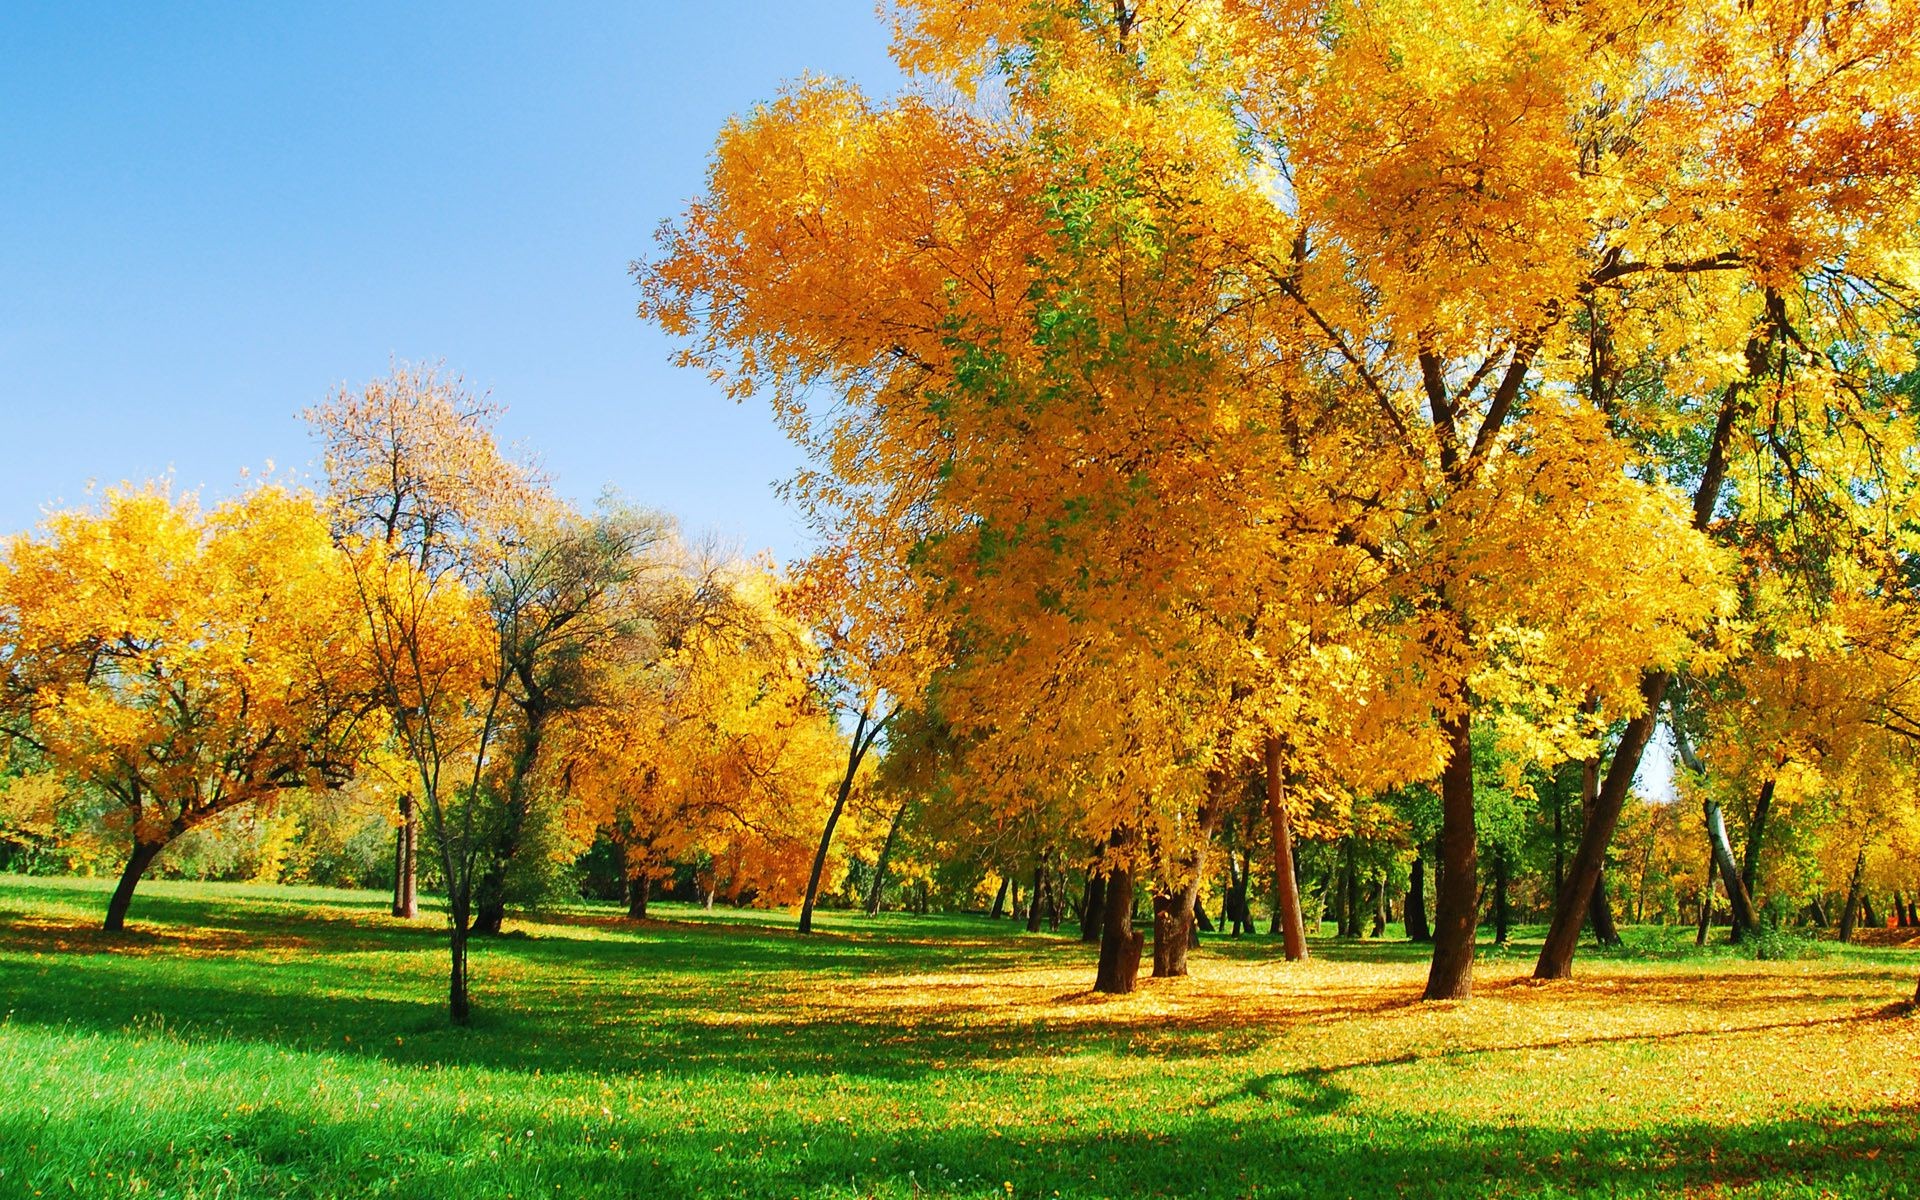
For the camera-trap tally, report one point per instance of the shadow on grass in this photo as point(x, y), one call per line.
point(1237, 1152)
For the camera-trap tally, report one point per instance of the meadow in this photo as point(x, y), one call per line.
point(245, 1041)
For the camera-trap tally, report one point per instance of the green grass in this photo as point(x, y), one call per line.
point(245, 1041)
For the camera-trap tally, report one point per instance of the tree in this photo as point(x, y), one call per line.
point(184, 662)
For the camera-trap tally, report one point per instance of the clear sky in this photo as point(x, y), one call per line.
point(213, 214)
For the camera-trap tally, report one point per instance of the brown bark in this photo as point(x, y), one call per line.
point(1379, 906)
point(1750, 859)
point(137, 863)
point(1706, 902)
point(1120, 942)
point(406, 844)
point(1737, 898)
point(1093, 911)
point(1293, 924)
point(1450, 976)
point(999, 900)
point(638, 891)
point(1034, 901)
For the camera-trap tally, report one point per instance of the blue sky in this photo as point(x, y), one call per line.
point(214, 214)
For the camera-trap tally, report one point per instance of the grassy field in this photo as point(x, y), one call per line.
point(246, 1041)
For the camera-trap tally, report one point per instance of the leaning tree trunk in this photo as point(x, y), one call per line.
point(1173, 911)
point(1737, 898)
point(1706, 902)
point(1120, 942)
point(1416, 904)
point(1380, 906)
point(880, 863)
point(406, 854)
point(999, 900)
point(1866, 911)
point(137, 863)
point(1450, 976)
point(1570, 906)
point(1286, 889)
point(865, 730)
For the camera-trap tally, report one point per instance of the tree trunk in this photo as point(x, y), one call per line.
point(1706, 902)
point(638, 891)
point(1170, 930)
point(1866, 911)
point(999, 900)
point(1737, 898)
point(1416, 906)
point(1851, 908)
point(1120, 942)
point(137, 863)
point(1600, 915)
point(1286, 883)
point(1817, 912)
point(1201, 921)
point(1450, 977)
point(1380, 906)
point(1350, 896)
point(458, 1006)
point(1570, 906)
point(1093, 911)
point(406, 853)
point(1750, 859)
point(1033, 902)
point(1502, 915)
point(864, 731)
point(880, 863)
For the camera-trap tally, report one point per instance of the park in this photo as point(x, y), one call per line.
point(1124, 598)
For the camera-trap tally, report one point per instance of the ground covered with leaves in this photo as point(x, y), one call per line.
point(244, 1041)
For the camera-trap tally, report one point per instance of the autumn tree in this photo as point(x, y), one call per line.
point(184, 662)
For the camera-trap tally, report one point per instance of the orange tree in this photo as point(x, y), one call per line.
point(185, 662)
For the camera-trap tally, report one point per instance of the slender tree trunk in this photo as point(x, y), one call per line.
point(1380, 905)
point(459, 1007)
point(1850, 910)
point(1737, 898)
point(1201, 921)
point(1416, 906)
point(864, 731)
point(1000, 900)
point(1033, 901)
point(1120, 942)
point(1502, 915)
point(1817, 912)
point(1600, 915)
point(880, 863)
point(1866, 911)
point(406, 853)
point(638, 891)
point(1350, 892)
point(1750, 859)
point(1093, 912)
point(1450, 977)
point(137, 863)
point(1706, 902)
point(1286, 883)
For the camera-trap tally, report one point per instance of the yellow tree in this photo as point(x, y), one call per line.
point(185, 662)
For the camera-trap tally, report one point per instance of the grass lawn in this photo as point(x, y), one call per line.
point(244, 1041)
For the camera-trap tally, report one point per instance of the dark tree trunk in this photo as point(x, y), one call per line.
point(1171, 927)
point(1570, 906)
point(1852, 906)
point(459, 1008)
point(1866, 911)
point(865, 730)
point(1350, 892)
point(1750, 859)
point(1600, 915)
point(1817, 912)
point(1380, 906)
point(638, 890)
point(1034, 912)
point(1201, 921)
point(137, 863)
point(1416, 906)
point(1120, 942)
point(1093, 911)
point(1450, 977)
point(880, 863)
point(1502, 914)
point(1000, 899)
point(1286, 883)
point(406, 854)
